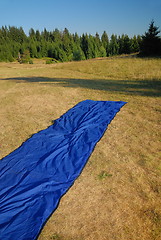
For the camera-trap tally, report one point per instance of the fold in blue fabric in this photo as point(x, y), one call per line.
point(35, 176)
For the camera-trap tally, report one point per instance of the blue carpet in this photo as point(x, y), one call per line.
point(34, 177)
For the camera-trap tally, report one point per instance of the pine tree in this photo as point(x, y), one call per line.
point(25, 57)
point(56, 36)
point(44, 50)
point(84, 44)
point(38, 35)
point(102, 52)
point(68, 44)
point(33, 49)
point(32, 34)
point(76, 39)
point(17, 34)
point(5, 53)
point(151, 42)
point(105, 42)
point(93, 49)
point(45, 35)
point(135, 45)
point(78, 54)
point(127, 45)
point(97, 40)
point(114, 47)
point(121, 43)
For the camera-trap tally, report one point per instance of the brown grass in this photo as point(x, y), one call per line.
point(117, 195)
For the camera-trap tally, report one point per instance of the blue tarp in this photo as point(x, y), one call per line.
point(34, 177)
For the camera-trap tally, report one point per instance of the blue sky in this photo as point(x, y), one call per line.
point(130, 17)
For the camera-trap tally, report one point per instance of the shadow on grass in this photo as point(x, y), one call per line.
point(147, 87)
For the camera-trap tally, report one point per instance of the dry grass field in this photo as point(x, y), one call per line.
point(117, 196)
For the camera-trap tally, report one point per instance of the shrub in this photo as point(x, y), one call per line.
point(30, 61)
point(49, 61)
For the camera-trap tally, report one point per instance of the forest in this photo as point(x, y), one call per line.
point(63, 46)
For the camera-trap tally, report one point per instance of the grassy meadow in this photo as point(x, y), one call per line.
point(117, 195)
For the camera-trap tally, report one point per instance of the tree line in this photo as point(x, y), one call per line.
point(64, 46)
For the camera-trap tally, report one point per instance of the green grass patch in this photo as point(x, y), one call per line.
point(103, 174)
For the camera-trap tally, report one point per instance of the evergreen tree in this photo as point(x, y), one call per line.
point(56, 36)
point(33, 49)
point(5, 53)
point(38, 35)
point(50, 50)
point(151, 42)
point(4, 31)
point(93, 50)
point(102, 52)
point(76, 39)
point(127, 45)
point(139, 40)
point(38, 48)
point(25, 57)
point(45, 35)
point(84, 44)
point(67, 44)
point(97, 40)
point(114, 47)
point(32, 34)
point(98, 49)
point(105, 42)
point(78, 54)
point(62, 55)
point(44, 49)
point(121, 43)
point(135, 45)
point(16, 34)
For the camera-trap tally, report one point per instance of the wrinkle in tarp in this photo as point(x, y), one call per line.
point(35, 176)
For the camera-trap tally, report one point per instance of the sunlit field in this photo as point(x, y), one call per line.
point(117, 195)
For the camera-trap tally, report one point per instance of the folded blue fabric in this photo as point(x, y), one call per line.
point(34, 177)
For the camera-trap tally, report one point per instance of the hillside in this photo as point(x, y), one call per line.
point(117, 195)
